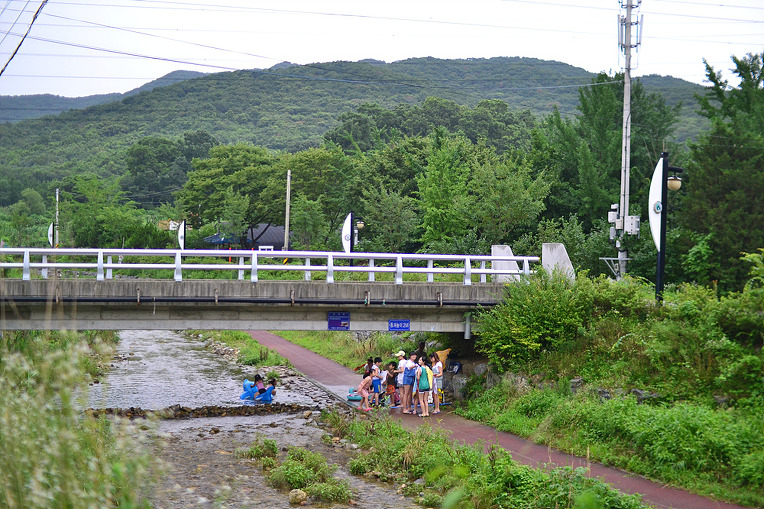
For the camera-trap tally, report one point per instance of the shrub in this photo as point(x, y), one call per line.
point(301, 469)
point(538, 313)
point(333, 490)
point(53, 455)
point(261, 448)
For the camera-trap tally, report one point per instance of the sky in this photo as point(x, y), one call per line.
point(83, 47)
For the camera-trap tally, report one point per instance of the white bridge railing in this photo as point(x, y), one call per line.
point(105, 261)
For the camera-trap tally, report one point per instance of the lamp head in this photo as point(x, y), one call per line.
point(673, 183)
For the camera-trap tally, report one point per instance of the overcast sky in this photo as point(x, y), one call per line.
point(83, 47)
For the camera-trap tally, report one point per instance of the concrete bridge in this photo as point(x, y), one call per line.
point(80, 289)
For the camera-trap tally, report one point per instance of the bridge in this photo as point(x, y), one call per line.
point(121, 289)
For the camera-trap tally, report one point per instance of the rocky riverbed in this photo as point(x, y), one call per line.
point(203, 469)
point(190, 391)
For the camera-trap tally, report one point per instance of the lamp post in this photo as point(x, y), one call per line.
point(359, 224)
point(660, 184)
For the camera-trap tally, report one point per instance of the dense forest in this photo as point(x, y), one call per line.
point(287, 107)
point(462, 154)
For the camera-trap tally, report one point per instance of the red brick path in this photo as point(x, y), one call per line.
point(338, 379)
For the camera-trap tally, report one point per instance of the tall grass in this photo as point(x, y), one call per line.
point(457, 475)
point(54, 455)
point(712, 452)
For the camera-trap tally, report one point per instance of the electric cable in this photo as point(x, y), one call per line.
point(34, 18)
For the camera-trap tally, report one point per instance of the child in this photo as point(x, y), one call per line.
point(368, 367)
point(423, 383)
point(437, 374)
point(259, 384)
point(376, 380)
point(267, 395)
point(409, 379)
point(363, 391)
point(391, 384)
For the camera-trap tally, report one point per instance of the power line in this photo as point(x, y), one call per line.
point(34, 18)
point(23, 9)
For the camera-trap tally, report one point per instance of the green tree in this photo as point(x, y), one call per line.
point(95, 213)
point(390, 221)
point(583, 154)
point(155, 169)
point(470, 197)
point(725, 178)
point(308, 226)
point(244, 169)
point(323, 176)
point(34, 201)
point(443, 192)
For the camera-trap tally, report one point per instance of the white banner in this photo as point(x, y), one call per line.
point(347, 232)
point(654, 205)
point(182, 235)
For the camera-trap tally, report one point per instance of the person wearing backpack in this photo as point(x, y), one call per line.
point(424, 383)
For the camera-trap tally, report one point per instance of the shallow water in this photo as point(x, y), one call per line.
point(157, 369)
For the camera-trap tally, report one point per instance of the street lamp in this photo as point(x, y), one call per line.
point(358, 226)
point(660, 184)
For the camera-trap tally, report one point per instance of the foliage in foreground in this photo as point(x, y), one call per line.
point(462, 476)
point(699, 358)
point(53, 455)
point(712, 452)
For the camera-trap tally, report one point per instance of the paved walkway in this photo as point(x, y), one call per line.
point(338, 379)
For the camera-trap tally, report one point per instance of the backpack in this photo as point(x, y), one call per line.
point(425, 379)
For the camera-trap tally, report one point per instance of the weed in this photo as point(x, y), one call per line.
point(53, 455)
point(458, 475)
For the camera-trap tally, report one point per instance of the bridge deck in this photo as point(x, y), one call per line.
point(229, 304)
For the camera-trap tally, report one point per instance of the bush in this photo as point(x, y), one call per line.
point(539, 313)
point(302, 468)
point(261, 448)
point(53, 455)
point(333, 490)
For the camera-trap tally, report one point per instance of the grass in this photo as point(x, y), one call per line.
point(698, 353)
point(342, 348)
point(717, 453)
point(251, 353)
point(308, 471)
point(456, 475)
point(51, 453)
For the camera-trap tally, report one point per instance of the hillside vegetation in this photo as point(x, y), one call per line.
point(594, 367)
point(288, 108)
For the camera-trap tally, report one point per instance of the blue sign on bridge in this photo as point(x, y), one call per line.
point(339, 320)
point(398, 325)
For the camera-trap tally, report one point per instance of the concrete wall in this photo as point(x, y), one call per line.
point(225, 304)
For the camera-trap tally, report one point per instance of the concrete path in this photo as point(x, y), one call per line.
point(338, 379)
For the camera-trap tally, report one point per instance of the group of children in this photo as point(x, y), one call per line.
point(257, 391)
point(419, 375)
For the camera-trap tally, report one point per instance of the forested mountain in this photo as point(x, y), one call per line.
point(288, 107)
point(14, 108)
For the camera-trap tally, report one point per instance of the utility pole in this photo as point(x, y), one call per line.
point(286, 218)
point(56, 228)
point(623, 223)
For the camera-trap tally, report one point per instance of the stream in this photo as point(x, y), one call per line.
point(158, 369)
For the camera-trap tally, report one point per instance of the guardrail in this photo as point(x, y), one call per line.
point(103, 262)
